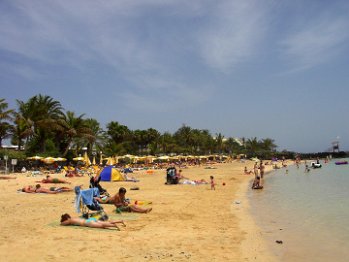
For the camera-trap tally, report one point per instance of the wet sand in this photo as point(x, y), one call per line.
point(188, 223)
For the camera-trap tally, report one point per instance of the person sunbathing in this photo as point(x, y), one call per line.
point(67, 220)
point(39, 189)
point(51, 190)
point(121, 204)
point(7, 177)
point(28, 189)
point(49, 179)
point(72, 174)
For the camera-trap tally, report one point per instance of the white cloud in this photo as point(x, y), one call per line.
point(234, 33)
point(158, 94)
point(315, 43)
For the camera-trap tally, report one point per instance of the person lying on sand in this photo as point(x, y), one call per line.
point(28, 189)
point(7, 177)
point(49, 179)
point(67, 220)
point(51, 190)
point(39, 189)
point(121, 204)
point(72, 174)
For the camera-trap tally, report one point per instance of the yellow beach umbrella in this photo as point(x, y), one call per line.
point(128, 156)
point(87, 159)
point(48, 160)
point(79, 158)
point(110, 161)
point(35, 158)
point(163, 158)
point(150, 158)
point(60, 159)
point(94, 161)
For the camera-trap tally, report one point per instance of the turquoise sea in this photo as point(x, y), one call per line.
point(307, 211)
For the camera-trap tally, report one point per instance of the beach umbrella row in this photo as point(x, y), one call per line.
point(47, 160)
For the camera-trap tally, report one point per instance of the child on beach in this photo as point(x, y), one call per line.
point(213, 184)
point(246, 171)
point(257, 183)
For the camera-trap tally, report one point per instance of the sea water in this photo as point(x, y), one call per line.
point(307, 211)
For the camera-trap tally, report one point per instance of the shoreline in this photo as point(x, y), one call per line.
point(255, 246)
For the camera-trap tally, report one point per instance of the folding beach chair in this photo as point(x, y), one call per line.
point(171, 177)
point(85, 202)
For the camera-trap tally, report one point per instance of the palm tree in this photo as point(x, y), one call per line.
point(233, 146)
point(151, 140)
point(118, 133)
point(43, 112)
point(6, 129)
point(184, 137)
point(119, 139)
point(167, 143)
point(268, 145)
point(99, 135)
point(74, 128)
point(252, 146)
point(139, 140)
point(23, 130)
point(219, 142)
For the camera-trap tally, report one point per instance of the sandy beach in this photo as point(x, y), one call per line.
point(188, 223)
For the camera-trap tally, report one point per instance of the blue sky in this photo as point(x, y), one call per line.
point(265, 69)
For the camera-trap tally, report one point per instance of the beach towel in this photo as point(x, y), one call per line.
point(58, 224)
point(193, 182)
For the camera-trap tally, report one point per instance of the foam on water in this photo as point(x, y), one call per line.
point(308, 211)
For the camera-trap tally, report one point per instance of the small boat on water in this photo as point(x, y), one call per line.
point(341, 163)
point(315, 165)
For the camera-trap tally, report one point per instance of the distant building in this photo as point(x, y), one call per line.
point(12, 147)
point(239, 141)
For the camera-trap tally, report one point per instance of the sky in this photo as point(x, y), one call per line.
point(265, 69)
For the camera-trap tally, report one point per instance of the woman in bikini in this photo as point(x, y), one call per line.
point(67, 220)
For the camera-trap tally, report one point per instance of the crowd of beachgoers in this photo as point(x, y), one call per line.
point(57, 174)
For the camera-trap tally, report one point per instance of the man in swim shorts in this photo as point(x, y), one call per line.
point(51, 190)
point(121, 204)
point(49, 179)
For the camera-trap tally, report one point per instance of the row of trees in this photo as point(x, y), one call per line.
point(41, 126)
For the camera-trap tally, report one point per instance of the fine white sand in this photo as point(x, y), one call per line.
point(187, 222)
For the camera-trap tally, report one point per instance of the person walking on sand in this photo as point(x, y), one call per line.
point(213, 184)
point(255, 170)
point(261, 169)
